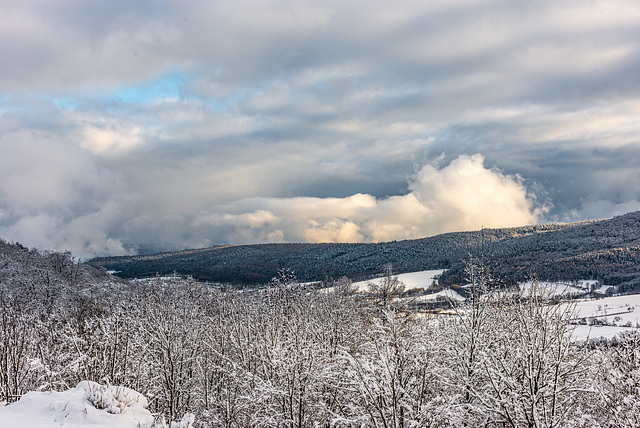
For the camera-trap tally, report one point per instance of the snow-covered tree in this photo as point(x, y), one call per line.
point(387, 288)
point(616, 379)
point(534, 371)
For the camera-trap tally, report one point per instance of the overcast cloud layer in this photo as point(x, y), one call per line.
point(155, 125)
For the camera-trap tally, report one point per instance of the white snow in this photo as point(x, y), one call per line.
point(586, 284)
point(604, 288)
point(583, 332)
point(443, 294)
point(88, 405)
point(625, 307)
point(619, 312)
point(421, 279)
point(554, 288)
point(603, 317)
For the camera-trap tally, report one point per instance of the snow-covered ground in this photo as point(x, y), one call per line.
point(88, 405)
point(621, 312)
point(602, 317)
point(559, 288)
point(422, 279)
point(443, 294)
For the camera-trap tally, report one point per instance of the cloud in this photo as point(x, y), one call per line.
point(55, 195)
point(605, 209)
point(463, 195)
point(174, 124)
point(101, 140)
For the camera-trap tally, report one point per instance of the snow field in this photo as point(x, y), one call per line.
point(620, 313)
point(423, 279)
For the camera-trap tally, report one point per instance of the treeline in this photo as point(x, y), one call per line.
point(289, 356)
point(606, 250)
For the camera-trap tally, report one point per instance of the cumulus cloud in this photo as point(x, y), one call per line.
point(464, 195)
point(104, 140)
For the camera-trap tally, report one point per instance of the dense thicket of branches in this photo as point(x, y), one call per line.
point(290, 356)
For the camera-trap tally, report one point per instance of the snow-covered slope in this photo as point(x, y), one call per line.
point(620, 313)
point(442, 294)
point(558, 288)
point(422, 279)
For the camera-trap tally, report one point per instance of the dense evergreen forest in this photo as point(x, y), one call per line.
point(286, 355)
point(606, 250)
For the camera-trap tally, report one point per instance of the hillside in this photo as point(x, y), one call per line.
point(257, 264)
point(608, 250)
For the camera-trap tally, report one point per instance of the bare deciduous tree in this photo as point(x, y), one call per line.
point(388, 287)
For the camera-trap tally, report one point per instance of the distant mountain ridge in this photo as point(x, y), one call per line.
point(608, 250)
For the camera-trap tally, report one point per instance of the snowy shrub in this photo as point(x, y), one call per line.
point(617, 381)
point(186, 421)
point(113, 399)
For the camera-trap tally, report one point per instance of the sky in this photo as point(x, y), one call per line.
point(137, 126)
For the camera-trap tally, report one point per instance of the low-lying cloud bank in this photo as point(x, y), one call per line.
point(56, 195)
point(68, 200)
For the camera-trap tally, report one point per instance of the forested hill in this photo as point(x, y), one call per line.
point(258, 263)
point(605, 249)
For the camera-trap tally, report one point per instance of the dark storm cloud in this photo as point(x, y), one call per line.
point(174, 124)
